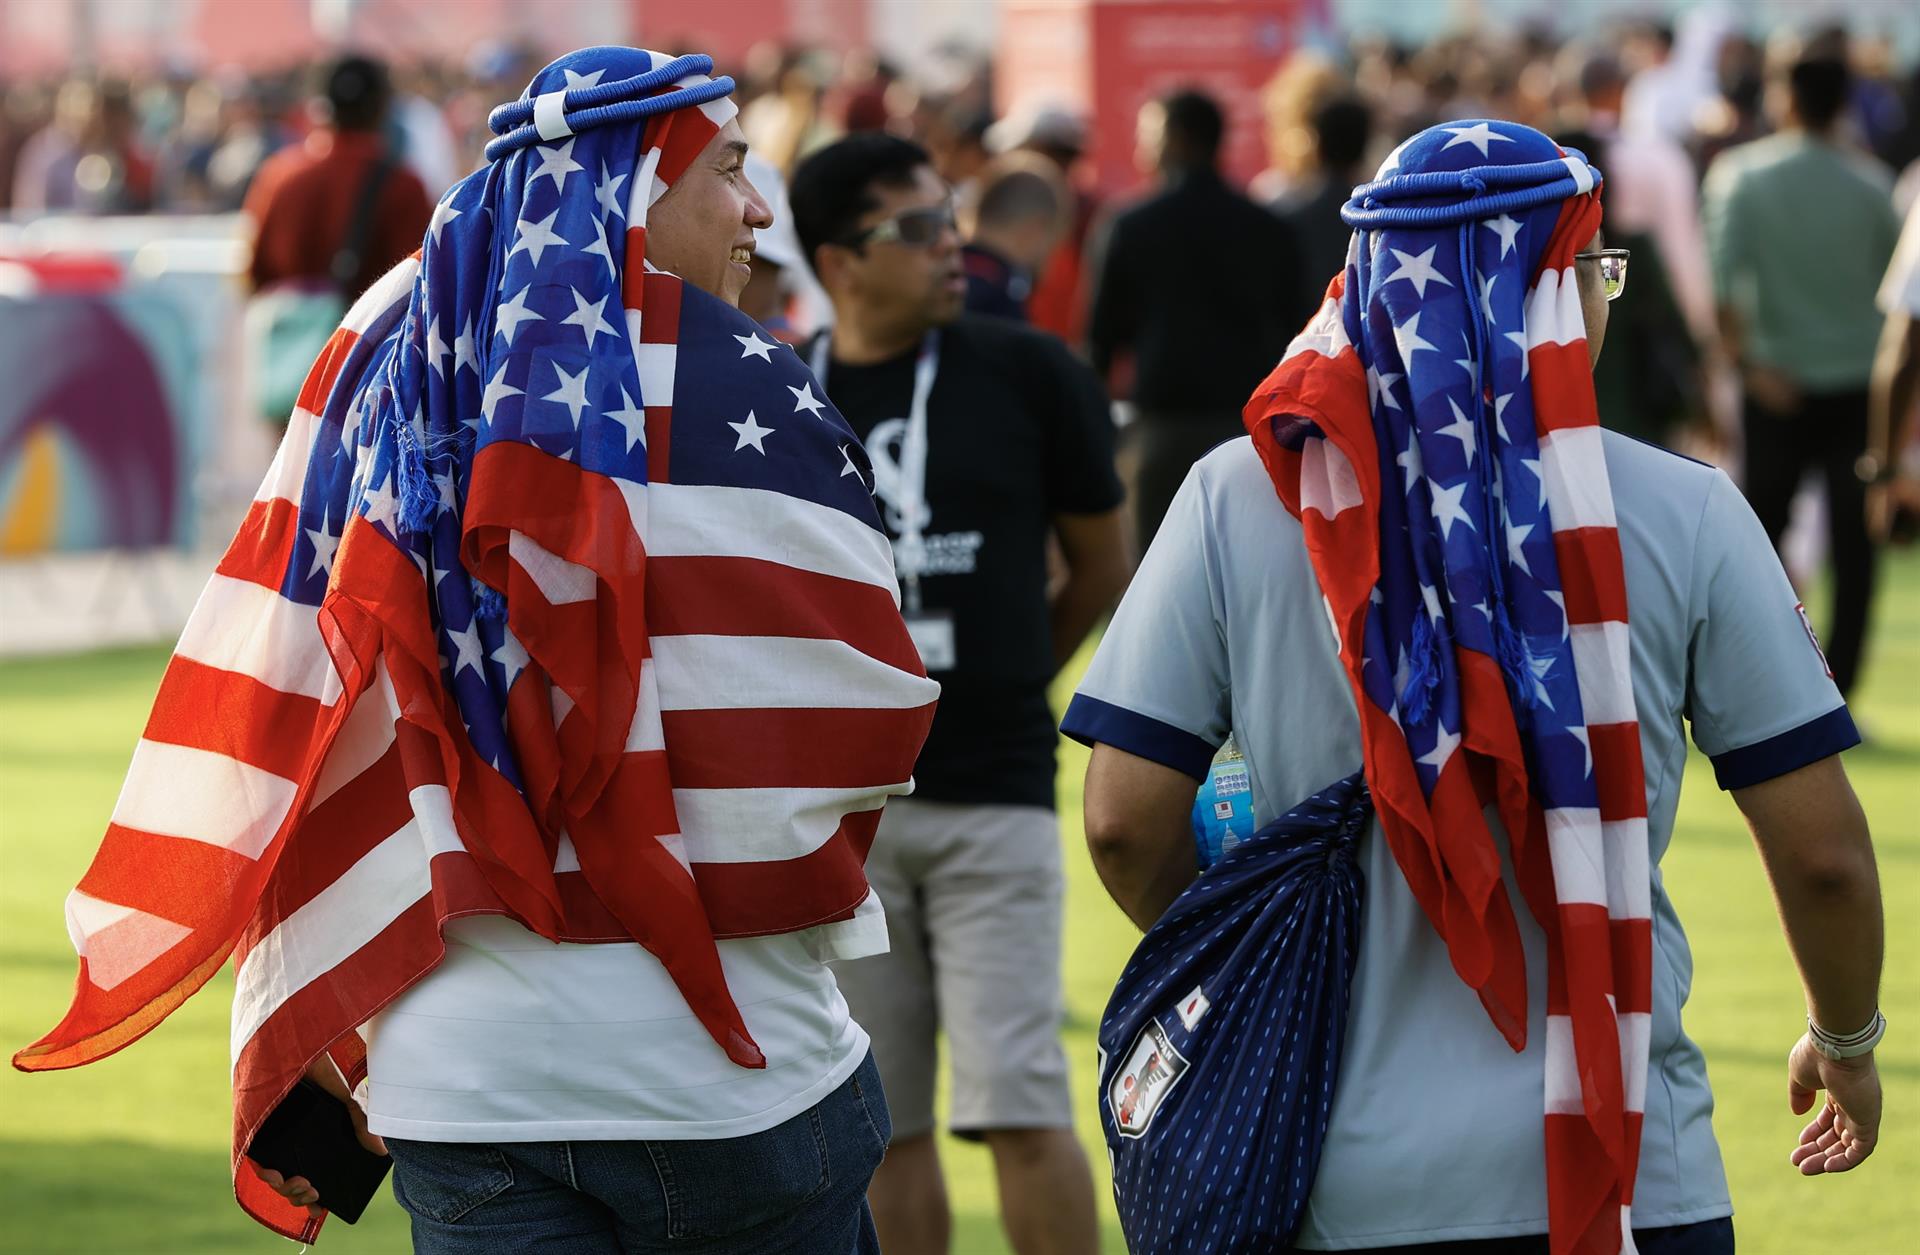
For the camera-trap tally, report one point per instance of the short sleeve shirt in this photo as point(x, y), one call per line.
point(1017, 431)
point(1223, 629)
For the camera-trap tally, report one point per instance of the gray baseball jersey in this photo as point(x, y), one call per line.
point(1436, 1126)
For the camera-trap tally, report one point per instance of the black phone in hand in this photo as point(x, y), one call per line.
point(310, 1134)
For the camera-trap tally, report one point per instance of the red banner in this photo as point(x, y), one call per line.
point(1106, 58)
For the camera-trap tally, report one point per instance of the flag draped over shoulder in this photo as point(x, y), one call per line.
point(565, 598)
point(1434, 429)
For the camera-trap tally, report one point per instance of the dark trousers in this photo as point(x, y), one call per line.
point(1163, 447)
point(1708, 1237)
point(1828, 433)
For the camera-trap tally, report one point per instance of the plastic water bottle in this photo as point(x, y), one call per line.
point(1223, 808)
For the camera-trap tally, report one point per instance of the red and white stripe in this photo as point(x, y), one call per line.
point(323, 827)
point(1600, 991)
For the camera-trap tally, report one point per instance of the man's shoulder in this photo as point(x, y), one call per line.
point(1660, 499)
point(1239, 494)
point(1757, 159)
point(1005, 341)
point(1659, 470)
point(283, 170)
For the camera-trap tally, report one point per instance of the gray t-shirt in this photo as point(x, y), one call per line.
point(1436, 1129)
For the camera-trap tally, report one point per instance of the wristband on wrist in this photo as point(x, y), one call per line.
point(1847, 1045)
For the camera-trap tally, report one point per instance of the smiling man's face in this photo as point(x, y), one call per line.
point(702, 229)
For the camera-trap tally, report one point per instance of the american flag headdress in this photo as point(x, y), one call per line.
point(1434, 429)
point(565, 598)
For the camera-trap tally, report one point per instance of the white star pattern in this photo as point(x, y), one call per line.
point(1407, 336)
point(751, 433)
point(382, 506)
point(1461, 429)
point(1533, 464)
point(590, 318)
point(599, 247)
point(753, 346)
point(1479, 135)
point(497, 390)
point(509, 315)
point(443, 213)
point(1418, 270)
point(1392, 161)
point(1467, 363)
point(1580, 734)
point(577, 81)
point(1380, 389)
point(1560, 599)
point(607, 193)
point(1486, 297)
point(324, 544)
point(556, 164)
point(1408, 460)
point(1444, 745)
point(1447, 509)
point(572, 391)
point(633, 420)
point(466, 644)
point(536, 237)
point(464, 353)
point(1500, 416)
point(1432, 598)
point(436, 349)
point(803, 399)
point(1516, 542)
point(512, 657)
point(443, 485)
point(1520, 338)
point(1540, 667)
point(1506, 228)
point(849, 468)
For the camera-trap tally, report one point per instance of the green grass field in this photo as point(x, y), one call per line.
point(130, 1154)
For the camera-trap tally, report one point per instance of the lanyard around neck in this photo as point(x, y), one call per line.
point(910, 497)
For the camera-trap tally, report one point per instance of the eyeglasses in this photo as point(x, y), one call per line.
point(1613, 268)
point(915, 228)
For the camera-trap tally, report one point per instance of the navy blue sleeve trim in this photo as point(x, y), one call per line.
point(1790, 751)
point(1090, 720)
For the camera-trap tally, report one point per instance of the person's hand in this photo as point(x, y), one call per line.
point(1843, 1134)
point(1885, 500)
point(1771, 388)
point(298, 1190)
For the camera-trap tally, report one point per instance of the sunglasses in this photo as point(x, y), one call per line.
point(915, 228)
point(1613, 268)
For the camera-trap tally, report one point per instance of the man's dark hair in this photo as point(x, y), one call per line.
point(1819, 86)
point(832, 189)
point(1194, 127)
point(1015, 196)
point(1343, 125)
point(358, 91)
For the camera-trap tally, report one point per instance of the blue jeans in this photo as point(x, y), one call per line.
point(799, 1188)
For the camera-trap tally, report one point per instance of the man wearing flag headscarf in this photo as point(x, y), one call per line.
point(1429, 559)
point(526, 748)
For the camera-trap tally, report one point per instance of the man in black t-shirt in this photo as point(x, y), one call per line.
point(1202, 289)
point(986, 438)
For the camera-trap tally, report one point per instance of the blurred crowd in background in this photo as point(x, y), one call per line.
point(1670, 118)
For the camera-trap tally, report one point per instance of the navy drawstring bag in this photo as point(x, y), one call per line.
point(1221, 1043)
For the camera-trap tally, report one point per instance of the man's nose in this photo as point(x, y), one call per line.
point(759, 213)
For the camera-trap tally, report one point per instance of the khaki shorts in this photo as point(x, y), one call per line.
point(973, 897)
